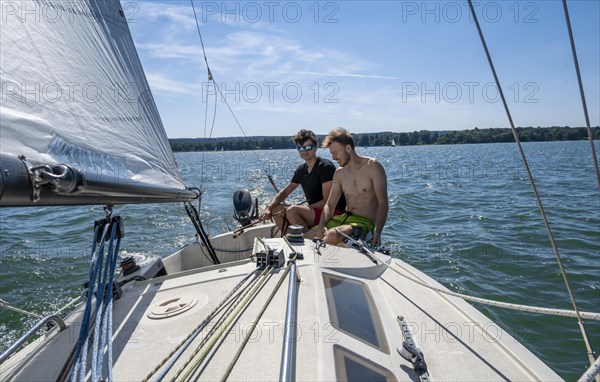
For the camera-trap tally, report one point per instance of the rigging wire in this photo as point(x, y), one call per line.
point(534, 188)
point(581, 92)
point(224, 99)
point(210, 78)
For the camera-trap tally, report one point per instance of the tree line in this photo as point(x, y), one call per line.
point(423, 137)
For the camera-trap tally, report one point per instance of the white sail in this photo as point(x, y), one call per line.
point(73, 91)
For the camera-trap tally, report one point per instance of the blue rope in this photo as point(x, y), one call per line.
point(110, 307)
point(106, 331)
point(100, 305)
point(85, 322)
point(84, 352)
point(102, 270)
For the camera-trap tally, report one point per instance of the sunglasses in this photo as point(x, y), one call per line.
point(305, 148)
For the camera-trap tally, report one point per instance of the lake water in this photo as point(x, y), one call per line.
point(464, 214)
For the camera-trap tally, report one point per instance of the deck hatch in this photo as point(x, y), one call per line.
point(352, 310)
point(350, 366)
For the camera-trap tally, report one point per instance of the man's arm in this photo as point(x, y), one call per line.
point(326, 189)
point(278, 199)
point(325, 172)
point(329, 207)
point(380, 187)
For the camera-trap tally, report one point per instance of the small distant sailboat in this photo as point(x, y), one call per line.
point(393, 142)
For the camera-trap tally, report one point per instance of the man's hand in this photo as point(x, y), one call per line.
point(321, 232)
point(376, 240)
point(267, 214)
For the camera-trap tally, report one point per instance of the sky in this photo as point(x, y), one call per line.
point(368, 66)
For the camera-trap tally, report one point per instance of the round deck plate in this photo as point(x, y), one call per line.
point(172, 307)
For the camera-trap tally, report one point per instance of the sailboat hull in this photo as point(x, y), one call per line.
point(346, 322)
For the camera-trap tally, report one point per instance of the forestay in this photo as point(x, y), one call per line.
point(73, 91)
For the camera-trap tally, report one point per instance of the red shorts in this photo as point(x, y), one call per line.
point(319, 211)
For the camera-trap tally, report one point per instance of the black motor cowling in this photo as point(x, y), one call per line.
point(245, 211)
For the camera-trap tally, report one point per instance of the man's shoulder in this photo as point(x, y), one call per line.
point(375, 169)
point(371, 166)
point(324, 162)
point(301, 167)
point(325, 166)
point(340, 171)
point(372, 162)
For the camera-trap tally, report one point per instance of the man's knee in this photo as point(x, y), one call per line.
point(332, 237)
point(292, 211)
point(301, 213)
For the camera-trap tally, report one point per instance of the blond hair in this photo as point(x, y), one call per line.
point(339, 135)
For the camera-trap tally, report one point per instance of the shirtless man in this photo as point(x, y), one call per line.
point(364, 183)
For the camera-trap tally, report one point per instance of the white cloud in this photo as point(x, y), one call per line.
point(162, 50)
point(160, 84)
point(175, 17)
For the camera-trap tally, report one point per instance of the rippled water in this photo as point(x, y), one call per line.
point(464, 214)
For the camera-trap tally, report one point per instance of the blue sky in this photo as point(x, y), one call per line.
point(365, 65)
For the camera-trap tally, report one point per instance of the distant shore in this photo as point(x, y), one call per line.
point(423, 137)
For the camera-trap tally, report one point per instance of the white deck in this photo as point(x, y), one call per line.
point(459, 343)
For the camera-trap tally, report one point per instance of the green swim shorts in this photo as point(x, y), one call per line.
point(354, 220)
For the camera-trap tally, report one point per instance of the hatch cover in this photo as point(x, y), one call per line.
point(172, 307)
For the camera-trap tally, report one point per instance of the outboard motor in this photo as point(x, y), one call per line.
point(244, 211)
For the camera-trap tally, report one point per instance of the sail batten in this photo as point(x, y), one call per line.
point(73, 91)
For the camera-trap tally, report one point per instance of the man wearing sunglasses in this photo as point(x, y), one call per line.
point(314, 176)
point(364, 183)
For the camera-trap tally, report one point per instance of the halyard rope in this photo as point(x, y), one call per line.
point(224, 99)
point(82, 343)
point(102, 270)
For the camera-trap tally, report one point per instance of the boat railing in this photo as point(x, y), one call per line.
point(288, 369)
point(30, 333)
